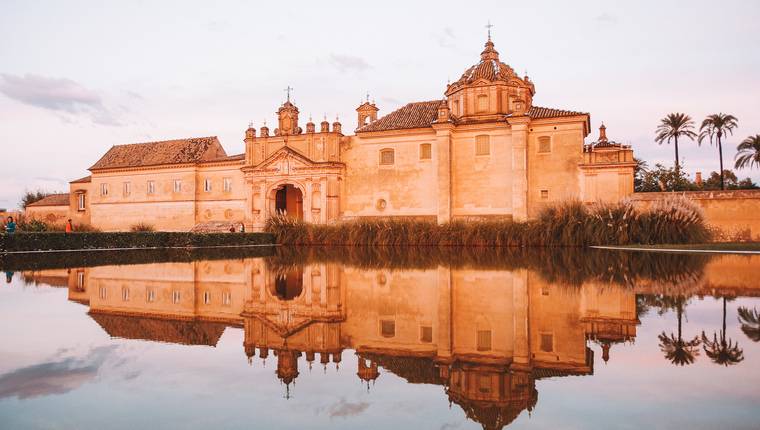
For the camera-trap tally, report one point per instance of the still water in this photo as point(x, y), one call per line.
point(351, 339)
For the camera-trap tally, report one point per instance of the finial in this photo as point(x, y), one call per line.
point(489, 26)
point(288, 90)
point(250, 124)
point(336, 118)
point(367, 96)
point(265, 123)
point(309, 117)
point(324, 117)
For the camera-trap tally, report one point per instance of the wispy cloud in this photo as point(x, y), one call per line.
point(445, 38)
point(346, 409)
point(347, 63)
point(55, 377)
point(63, 96)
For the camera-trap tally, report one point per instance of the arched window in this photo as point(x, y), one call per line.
point(387, 157)
point(544, 144)
point(482, 145)
point(426, 151)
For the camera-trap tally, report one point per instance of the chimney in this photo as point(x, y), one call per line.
point(698, 179)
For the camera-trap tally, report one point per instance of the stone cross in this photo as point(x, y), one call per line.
point(288, 90)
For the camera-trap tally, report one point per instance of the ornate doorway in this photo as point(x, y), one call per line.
point(288, 201)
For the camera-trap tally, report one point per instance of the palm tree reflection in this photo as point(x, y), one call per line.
point(677, 350)
point(721, 350)
point(750, 320)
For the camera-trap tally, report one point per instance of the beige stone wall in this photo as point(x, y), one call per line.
point(49, 214)
point(734, 214)
point(408, 187)
point(79, 216)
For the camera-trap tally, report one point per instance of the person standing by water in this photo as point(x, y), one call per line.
point(10, 226)
point(69, 227)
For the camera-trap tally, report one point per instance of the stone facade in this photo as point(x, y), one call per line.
point(483, 151)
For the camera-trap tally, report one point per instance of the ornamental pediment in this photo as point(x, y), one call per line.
point(285, 160)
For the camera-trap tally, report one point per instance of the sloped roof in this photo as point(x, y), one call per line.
point(537, 112)
point(177, 151)
point(52, 200)
point(86, 179)
point(412, 115)
point(160, 330)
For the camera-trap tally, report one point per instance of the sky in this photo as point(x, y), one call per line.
point(77, 77)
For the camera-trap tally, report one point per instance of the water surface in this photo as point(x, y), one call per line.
point(351, 338)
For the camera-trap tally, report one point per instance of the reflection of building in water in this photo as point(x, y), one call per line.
point(486, 336)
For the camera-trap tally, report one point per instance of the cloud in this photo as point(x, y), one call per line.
point(606, 18)
point(346, 409)
point(60, 95)
point(55, 377)
point(346, 63)
point(446, 38)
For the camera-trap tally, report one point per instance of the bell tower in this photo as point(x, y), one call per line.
point(287, 116)
point(366, 113)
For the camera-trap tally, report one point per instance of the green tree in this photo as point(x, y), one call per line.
point(720, 349)
point(673, 126)
point(677, 350)
point(731, 182)
point(30, 197)
point(662, 178)
point(638, 172)
point(715, 127)
point(750, 320)
point(748, 153)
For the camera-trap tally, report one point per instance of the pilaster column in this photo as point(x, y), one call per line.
point(443, 152)
point(521, 323)
point(519, 167)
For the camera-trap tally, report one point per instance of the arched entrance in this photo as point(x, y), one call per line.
point(288, 201)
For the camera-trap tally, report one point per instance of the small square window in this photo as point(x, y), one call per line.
point(387, 157)
point(426, 334)
point(426, 151)
point(547, 342)
point(388, 328)
point(544, 144)
point(81, 201)
point(544, 194)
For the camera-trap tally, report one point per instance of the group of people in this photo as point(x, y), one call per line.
point(10, 226)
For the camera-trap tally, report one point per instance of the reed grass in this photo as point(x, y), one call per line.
point(675, 220)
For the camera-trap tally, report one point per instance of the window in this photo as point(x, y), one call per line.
point(124, 294)
point(426, 151)
point(103, 293)
point(207, 185)
point(544, 144)
point(456, 107)
point(387, 328)
point(547, 342)
point(176, 296)
point(177, 186)
point(81, 200)
point(482, 103)
point(207, 298)
point(226, 298)
point(227, 185)
point(387, 156)
point(150, 295)
point(426, 334)
point(484, 384)
point(127, 189)
point(482, 145)
point(103, 189)
point(484, 340)
point(544, 194)
point(544, 291)
point(151, 187)
point(80, 280)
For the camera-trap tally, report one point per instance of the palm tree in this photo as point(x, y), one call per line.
point(679, 351)
point(673, 126)
point(748, 152)
point(722, 351)
point(750, 320)
point(716, 126)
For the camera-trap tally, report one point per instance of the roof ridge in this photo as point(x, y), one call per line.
point(167, 140)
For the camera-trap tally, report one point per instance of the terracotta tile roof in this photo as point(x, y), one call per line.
point(86, 179)
point(160, 330)
point(52, 200)
point(413, 115)
point(227, 158)
point(178, 151)
point(537, 112)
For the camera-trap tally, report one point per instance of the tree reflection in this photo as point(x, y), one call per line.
point(677, 350)
point(721, 350)
point(750, 320)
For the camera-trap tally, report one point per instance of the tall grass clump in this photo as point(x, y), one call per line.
point(568, 224)
point(142, 227)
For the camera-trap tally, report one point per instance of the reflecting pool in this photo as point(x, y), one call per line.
point(380, 338)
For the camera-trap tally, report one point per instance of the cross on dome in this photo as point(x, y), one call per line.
point(489, 26)
point(288, 90)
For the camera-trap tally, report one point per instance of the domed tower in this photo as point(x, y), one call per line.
point(490, 88)
point(287, 116)
point(366, 113)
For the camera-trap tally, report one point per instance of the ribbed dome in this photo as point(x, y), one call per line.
point(491, 69)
